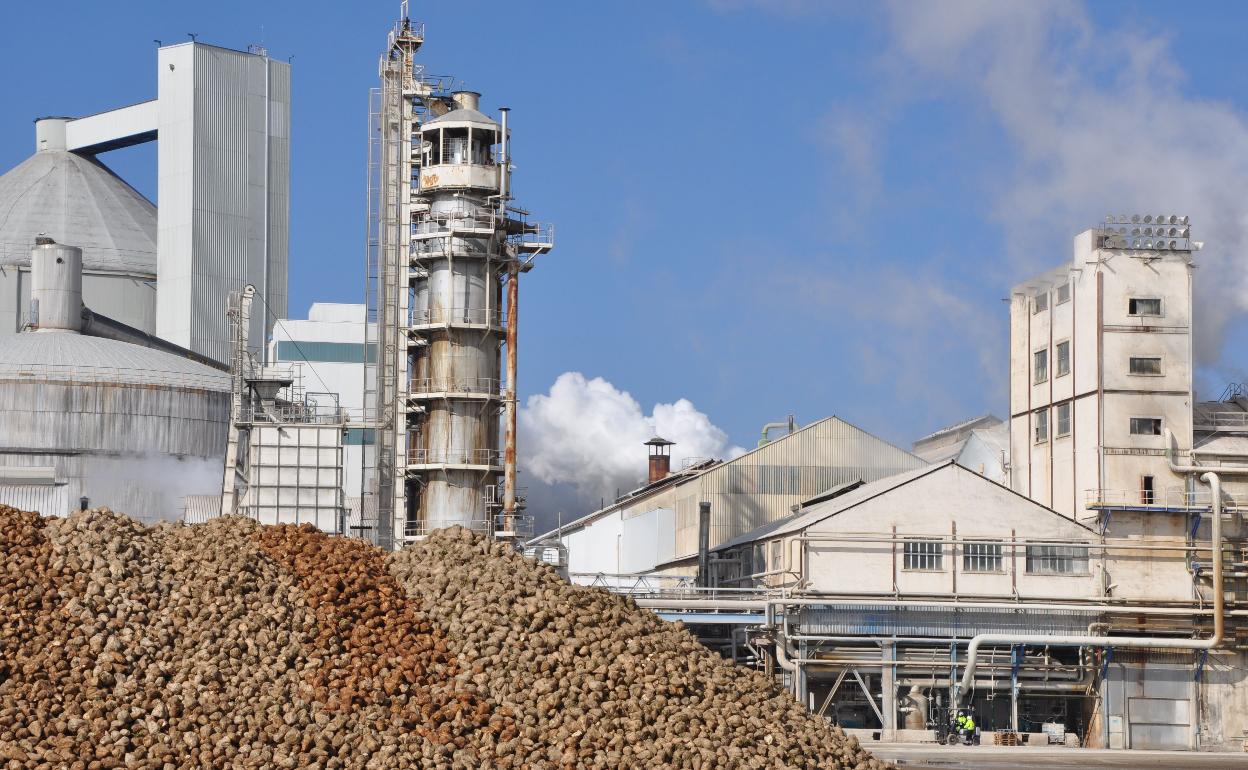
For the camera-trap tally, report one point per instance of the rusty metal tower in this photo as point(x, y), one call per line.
point(446, 251)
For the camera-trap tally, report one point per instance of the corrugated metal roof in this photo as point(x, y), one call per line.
point(78, 201)
point(788, 470)
point(56, 356)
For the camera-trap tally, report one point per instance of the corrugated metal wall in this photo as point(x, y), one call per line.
point(223, 181)
point(763, 485)
point(50, 500)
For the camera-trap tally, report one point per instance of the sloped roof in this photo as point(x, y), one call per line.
point(68, 357)
point(462, 115)
point(715, 465)
point(76, 200)
point(817, 513)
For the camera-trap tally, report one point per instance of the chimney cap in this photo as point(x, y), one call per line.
point(43, 240)
point(659, 441)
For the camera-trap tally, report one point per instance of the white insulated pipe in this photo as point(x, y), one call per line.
point(1129, 642)
point(1172, 453)
point(768, 605)
point(55, 287)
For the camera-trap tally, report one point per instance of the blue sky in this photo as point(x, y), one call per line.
point(762, 206)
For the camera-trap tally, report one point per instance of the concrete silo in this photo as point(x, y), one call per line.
point(132, 427)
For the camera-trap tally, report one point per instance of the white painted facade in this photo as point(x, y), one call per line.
point(223, 121)
point(856, 543)
point(1074, 333)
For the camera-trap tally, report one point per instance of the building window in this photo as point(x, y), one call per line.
point(1061, 294)
point(1062, 419)
point(1042, 426)
point(981, 557)
point(1040, 302)
point(758, 562)
point(1057, 560)
point(1148, 493)
point(1143, 306)
point(1062, 362)
point(1145, 426)
point(1145, 365)
point(775, 555)
point(1041, 365)
point(923, 555)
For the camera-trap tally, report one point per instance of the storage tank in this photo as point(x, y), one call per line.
point(74, 198)
point(130, 427)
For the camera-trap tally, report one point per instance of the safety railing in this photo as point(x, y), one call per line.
point(667, 587)
point(422, 528)
point(459, 245)
point(457, 316)
point(440, 222)
point(483, 457)
point(515, 525)
point(1165, 498)
point(456, 385)
point(311, 414)
point(120, 374)
point(1220, 419)
point(536, 236)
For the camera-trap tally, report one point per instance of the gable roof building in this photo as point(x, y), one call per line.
point(658, 523)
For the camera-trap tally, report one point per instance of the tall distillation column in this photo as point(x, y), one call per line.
point(440, 396)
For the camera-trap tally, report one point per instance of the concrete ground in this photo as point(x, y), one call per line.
point(1044, 758)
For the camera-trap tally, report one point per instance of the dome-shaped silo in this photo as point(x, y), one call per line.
point(129, 427)
point(76, 199)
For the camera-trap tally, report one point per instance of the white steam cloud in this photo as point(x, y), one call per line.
point(1100, 122)
point(588, 434)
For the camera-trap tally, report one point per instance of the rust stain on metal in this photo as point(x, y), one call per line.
point(509, 448)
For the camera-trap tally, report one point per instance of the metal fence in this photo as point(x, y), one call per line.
point(474, 316)
point(489, 457)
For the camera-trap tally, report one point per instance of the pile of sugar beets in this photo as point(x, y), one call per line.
point(231, 645)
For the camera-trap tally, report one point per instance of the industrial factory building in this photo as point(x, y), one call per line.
point(447, 248)
point(221, 123)
point(1085, 588)
point(116, 358)
point(96, 412)
point(654, 530)
point(955, 552)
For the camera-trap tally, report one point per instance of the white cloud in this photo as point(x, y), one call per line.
point(589, 434)
point(1099, 122)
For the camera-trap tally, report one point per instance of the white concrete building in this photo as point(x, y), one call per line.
point(898, 573)
point(1105, 427)
point(1100, 369)
point(328, 348)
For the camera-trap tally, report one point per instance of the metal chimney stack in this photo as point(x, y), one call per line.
point(660, 459)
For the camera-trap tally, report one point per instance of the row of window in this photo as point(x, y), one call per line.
point(1140, 426)
point(1040, 302)
point(988, 556)
point(1142, 365)
point(1136, 306)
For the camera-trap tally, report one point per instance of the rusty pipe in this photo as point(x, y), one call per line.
point(509, 446)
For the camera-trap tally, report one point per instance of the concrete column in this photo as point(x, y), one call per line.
point(888, 685)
